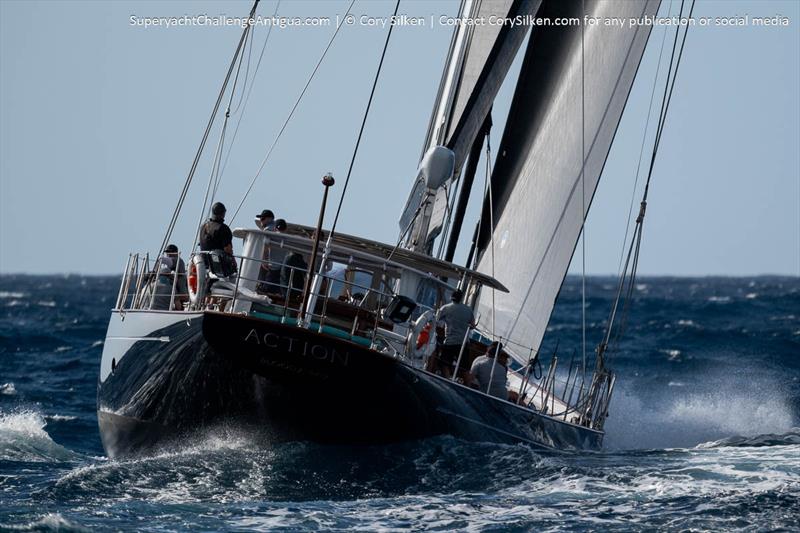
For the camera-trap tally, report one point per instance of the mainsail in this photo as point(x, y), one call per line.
point(569, 99)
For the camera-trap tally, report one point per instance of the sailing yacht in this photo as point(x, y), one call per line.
point(336, 351)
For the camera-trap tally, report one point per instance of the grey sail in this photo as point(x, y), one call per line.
point(491, 51)
point(540, 194)
point(472, 77)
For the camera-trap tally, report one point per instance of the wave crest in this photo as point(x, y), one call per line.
point(790, 438)
point(24, 439)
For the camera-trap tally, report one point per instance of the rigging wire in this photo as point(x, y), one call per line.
point(215, 166)
point(478, 229)
point(641, 149)
point(291, 113)
point(249, 47)
point(449, 205)
point(447, 210)
point(583, 193)
point(491, 218)
point(246, 100)
point(363, 122)
point(635, 246)
point(195, 162)
point(660, 130)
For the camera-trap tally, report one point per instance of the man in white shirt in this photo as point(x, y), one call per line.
point(489, 373)
point(457, 319)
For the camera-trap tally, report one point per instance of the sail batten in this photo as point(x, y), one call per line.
point(567, 105)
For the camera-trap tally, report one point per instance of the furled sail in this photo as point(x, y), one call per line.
point(569, 99)
point(481, 55)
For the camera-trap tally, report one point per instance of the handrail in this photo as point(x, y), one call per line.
point(122, 283)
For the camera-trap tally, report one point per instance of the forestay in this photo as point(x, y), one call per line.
point(539, 193)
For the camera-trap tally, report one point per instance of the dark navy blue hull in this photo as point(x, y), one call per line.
point(196, 371)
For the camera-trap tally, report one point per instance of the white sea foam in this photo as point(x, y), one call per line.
point(48, 522)
point(8, 389)
point(719, 299)
point(61, 418)
point(672, 355)
point(23, 438)
point(688, 417)
point(11, 294)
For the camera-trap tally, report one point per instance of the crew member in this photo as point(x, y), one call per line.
point(216, 236)
point(457, 318)
point(276, 259)
point(491, 380)
point(170, 265)
point(266, 220)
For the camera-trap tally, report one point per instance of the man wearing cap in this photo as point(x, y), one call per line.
point(457, 319)
point(170, 265)
point(266, 220)
point(489, 372)
point(216, 236)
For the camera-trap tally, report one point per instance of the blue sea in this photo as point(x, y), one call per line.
point(703, 432)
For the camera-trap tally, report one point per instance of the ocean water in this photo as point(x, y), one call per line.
point(703, 432)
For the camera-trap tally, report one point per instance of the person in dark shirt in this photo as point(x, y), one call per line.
point(216, 236)
point(170, 265)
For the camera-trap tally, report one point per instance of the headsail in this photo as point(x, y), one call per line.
point(481, 55)
point(572, 76)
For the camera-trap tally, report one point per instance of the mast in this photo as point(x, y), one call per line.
point(439, 121)
point(466, 188)
point(480, 57)
point(416, 215)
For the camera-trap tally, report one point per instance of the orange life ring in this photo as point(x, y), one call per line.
point(424, 336)
point(193, 277)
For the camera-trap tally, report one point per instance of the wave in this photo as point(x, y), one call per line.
point(231, 467)
point(48, 522)
point(790, 438)
point(11, 294)
point(444, 483)
point(24, 439)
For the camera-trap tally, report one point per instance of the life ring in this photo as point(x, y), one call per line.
point(197, 280)
point(422, 340)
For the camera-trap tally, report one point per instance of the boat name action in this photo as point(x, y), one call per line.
point(293, 345)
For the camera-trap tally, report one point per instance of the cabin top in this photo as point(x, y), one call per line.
point(367, 250)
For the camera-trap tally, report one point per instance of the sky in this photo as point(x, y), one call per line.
point(100, 119)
